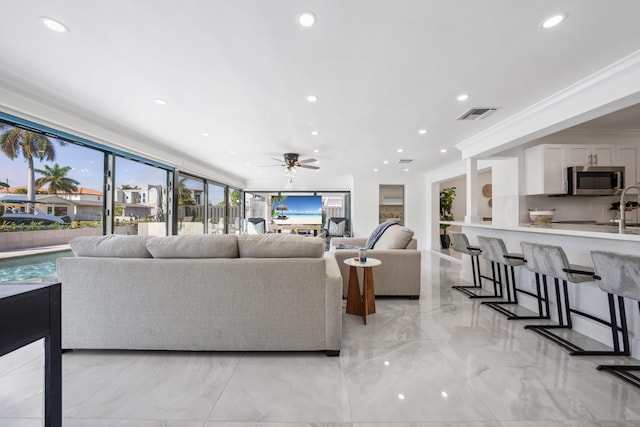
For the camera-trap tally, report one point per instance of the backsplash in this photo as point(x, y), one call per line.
point(579, 208)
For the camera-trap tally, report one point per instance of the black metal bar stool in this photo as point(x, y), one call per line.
point(552, 261)
point(494, 250)
point(619, 275)
point(460, 243)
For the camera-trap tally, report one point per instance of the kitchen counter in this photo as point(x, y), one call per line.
point(598, 231)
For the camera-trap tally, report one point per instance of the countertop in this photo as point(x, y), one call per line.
point(609, 232)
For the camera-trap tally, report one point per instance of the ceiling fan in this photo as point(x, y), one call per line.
point(292, 161)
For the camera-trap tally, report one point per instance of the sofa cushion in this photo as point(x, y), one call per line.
point(394, 237)
point(280, 246)
point(194, 246)
point(111, 245)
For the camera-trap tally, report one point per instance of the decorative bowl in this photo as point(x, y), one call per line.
point(541, 217)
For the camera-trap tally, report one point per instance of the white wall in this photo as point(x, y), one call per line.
point(365, 203)
point(460, 201)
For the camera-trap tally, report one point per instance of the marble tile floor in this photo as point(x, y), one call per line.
point(441, 361)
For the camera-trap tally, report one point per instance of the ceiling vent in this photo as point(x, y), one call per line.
point(477, 114)
point(405, 161)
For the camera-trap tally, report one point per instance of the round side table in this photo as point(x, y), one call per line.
point(361, 304)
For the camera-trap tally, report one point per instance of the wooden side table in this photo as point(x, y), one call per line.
point(361, 304)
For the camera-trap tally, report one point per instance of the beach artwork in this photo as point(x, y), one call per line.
point(297, 209)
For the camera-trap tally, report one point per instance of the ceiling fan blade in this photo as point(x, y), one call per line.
point(309, 167)
point(277, 160)
point(302, 162)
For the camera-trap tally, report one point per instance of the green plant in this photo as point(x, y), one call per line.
point(446, 206)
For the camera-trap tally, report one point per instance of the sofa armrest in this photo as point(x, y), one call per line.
point(333, 302)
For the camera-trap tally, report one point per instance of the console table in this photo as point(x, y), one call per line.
point(296, 228)
point(29, 312)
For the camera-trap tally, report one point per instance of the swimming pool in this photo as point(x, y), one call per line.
point(30, 266)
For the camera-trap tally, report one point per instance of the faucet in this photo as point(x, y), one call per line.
point(621, 225)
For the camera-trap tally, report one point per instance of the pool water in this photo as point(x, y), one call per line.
point(30, 266)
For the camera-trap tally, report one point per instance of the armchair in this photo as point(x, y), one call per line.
point(399, 274)
point(336, 227)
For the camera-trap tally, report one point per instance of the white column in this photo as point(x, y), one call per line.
point(472, 191)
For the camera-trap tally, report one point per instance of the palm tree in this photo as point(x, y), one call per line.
point(57, 179)
point(129, 187)
point(184, 194)
point(16, 141)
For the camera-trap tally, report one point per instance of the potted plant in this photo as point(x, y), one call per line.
point(446, 213)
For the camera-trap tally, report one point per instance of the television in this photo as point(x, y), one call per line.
point(297, 209)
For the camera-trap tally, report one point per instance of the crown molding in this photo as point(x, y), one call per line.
point(609, 89)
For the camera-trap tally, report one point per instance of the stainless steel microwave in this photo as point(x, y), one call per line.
point(595, 180)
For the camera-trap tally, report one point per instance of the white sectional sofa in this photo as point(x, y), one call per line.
point(268, 292)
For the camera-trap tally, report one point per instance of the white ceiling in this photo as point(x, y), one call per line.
point(241, 70)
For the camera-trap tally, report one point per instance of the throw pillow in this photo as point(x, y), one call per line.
point(258, 228)
point(337, 228)
point(394, 237)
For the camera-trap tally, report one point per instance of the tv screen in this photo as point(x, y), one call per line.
point(297, 209)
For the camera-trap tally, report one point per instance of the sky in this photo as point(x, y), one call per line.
point(87, 168)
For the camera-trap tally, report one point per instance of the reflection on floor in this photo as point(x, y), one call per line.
point(443, 360)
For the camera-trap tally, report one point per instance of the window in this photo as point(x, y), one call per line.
point(235, 210)
point(216, 209)
point(190, 205)
point(139, 198)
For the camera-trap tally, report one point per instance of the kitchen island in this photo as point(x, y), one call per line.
point(577, 240)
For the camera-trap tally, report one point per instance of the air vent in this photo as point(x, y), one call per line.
point(405, 161)
point(477, 114)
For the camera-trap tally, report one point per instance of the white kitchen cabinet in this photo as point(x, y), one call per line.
point(544, 170)
point(629, 157)
point(583, 155)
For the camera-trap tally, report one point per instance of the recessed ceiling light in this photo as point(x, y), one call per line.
point(54, 25)
point(316, 151)
point(248, 163)
point(463, 97)
point(553, 21)
point(307, 19)
point(315, 133)
point(375, 170)
point(161, 101)
point(312, 98)
point(386, 162)
point(206, 134)
point(406, 170)
point(399, 150)
point(444, 150)
point(422, 131)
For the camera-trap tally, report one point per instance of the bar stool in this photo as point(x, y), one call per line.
point(552, 261)
point(494, 250)
point(619, 275)
point(460, 243)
